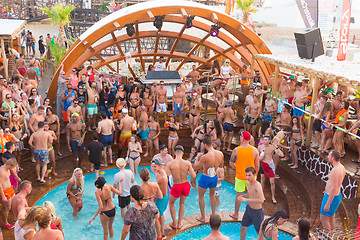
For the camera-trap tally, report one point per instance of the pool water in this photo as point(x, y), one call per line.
point(79, 228)
point(229, 229)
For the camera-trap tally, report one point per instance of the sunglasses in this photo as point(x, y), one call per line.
point(9, 98)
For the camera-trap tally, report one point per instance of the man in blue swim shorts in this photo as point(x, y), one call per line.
point(332, 197)
point(106, 127)
point(40, 142)
point(144, 129)
point(209, 163)
point(161, 204)
point(75, 134)
point(229, 117)
point(300, 98)
point(178, 104)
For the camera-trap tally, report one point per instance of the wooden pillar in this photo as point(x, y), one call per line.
point(252, 73)
point(276, 80)
point(5, 62)
point(312, 110)
point(118, 66)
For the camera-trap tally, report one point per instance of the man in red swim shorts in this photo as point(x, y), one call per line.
point(179, 169)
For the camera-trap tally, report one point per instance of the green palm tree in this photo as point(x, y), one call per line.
point(246, 7)
point(104, 7)
point(57, 53)
point(59, 15)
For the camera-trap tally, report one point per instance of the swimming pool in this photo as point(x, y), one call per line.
point(229, 229)
point(79, 228)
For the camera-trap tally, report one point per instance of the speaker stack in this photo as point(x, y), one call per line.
point(309, 43)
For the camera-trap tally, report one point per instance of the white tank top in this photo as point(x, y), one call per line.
point(225, 70)
point(19, 232)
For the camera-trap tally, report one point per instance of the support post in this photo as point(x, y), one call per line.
point(252, 74)
point(207, 95)
point(276, 80)
point(117, 66)
point(312, 110)
point(5, 61)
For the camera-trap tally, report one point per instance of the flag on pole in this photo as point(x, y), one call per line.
point(344, 30)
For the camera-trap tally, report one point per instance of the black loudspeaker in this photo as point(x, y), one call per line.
point(309, 43)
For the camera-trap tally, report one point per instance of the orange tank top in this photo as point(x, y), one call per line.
point(245, 158)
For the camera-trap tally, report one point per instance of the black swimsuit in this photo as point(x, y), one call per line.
point(110, 213)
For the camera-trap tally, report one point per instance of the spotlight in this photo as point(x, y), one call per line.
point(188, 23)
point(130, 29)
point(214, 31)
point(158, 22)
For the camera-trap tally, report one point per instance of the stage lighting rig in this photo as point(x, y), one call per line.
point(189, 21)
point(158, 22)
point(130, 29)
point(214, 31)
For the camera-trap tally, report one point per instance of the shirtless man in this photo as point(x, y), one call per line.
point(144, 128)
point(178, 104)
point(285, 117)
point(39, 141)
point(125, 130)
point(161, 101)
point(336, 105)
point(93, 97)
point(298, 103)
point(270, 108)
point(75, 108)
point(19, 204)
point(179, 169)
point(267, 151)
point(32, 75)
point(6, 190)
point(106, 128)
point(254, 113)
point(75, 135)
point(215, 224)
point(193, 75)
point(280, 140)
point(248, 99)
point(291, 82)
point(254, 213)
point(36, 118)
point(223, 92)
point(21, 65)
point(209, 163)
point(229, 117)
point(161, 204)
point(332, 194)
point(164, 156)
point(284, 94)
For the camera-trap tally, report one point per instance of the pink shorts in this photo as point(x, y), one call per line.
point(180, 189)
point(13, 181)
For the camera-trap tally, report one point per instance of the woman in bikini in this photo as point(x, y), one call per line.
point(82, 96)
point(173, 135)
point(297, 140)
point(304, 230)
point(154, 132)
point(133, 154)
point(134, 100)
point(121, 94)
point(51, 149)
point(149, 100)
point(75, 190)
point(340, 121)
point(54, 125)
point(217, 135)
point(151, 190)
point(199, 134)
point(215, 74)
point(195, 109)
point(327, 133)
point(270, 227)
point(106, 206)
point(56, 222)
point(15, 124)
point(264, 130)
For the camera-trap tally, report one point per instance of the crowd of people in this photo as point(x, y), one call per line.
point(130, 118)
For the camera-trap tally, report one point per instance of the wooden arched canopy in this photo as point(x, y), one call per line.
point(235, 36)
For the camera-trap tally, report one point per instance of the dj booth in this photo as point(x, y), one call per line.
point(170, 78)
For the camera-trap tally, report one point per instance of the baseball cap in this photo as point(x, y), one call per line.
point(157, 161)
point(228, 103)
point(292, 77)
point(246, 135)
point(124, 110)
point(179, 147)
point(258, 84)
point(75, 114)
point(120, 162)
point(62, 72)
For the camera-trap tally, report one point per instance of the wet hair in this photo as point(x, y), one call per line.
point(100, 182)
point(95, 136)
point(297, 124)
point(136, 193)
point(303, 229)
point(103, 115)
point(144, 174)
point(265, 125)
point(207, 141)
point(11, 162)
point(346, 105)
point(336, 155)
point(43, 218)
point(215, 221)
point(41, 124)
point(250, 169)
point(8, 145)
point(274, 218)
point(31, 216)
point(24, 184)
point(218, 128)
point(76, 170)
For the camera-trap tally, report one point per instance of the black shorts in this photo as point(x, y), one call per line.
point(317, 125)
point(253, 216)
point(124, 201)
point(97, 165)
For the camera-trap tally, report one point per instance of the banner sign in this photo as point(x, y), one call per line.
point(309, 12)
point(344, 30)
